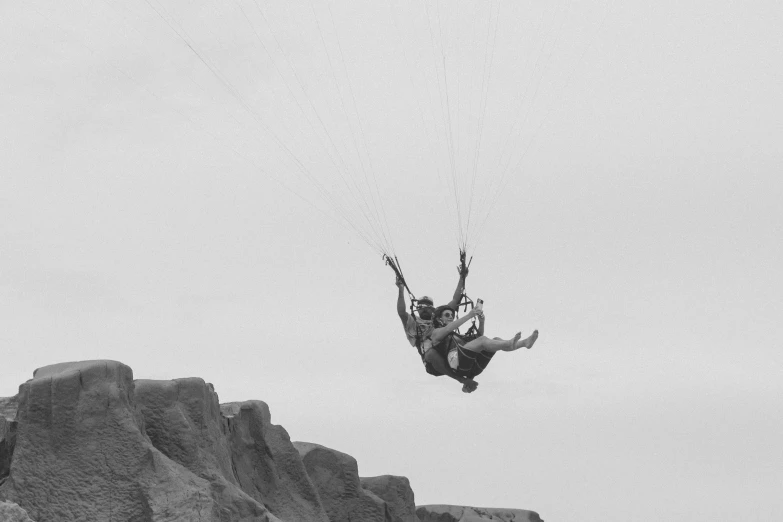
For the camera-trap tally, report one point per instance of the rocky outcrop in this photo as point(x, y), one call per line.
point(84, 441)
point(268, 466)
point(8, 407)
point(336, 477)
point(182, 420)
point(10, 512)
point(81, 453)
point(443, 513)
point(396, 492)
point(250, 464)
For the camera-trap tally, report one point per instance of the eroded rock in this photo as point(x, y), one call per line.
point(81, 452)
point(182, 420)
point(336, 477)
point(267, 465)
point(446, 513)
point(396, 492)
point(8, 424)
point(84, 441)
point(10, 512)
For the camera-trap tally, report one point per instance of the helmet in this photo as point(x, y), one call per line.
point(424, 300)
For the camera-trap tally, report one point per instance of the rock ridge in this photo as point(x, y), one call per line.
point(85, 441)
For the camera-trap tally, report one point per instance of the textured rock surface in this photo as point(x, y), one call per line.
point(80, 453)
point(336, 477)
point(84, 441)
point(8, 424)
point(397, 493)
point(443, 513)
point(10, 512)
point(182, 420)
point(8, 407)
point(267, 465)
point(249, 462)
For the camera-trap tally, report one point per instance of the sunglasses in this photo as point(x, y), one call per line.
point(447, 315)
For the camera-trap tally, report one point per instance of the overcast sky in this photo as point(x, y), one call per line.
point(153, 210)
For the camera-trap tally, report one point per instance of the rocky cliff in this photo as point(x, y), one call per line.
point(442, 513)
point(84, 441)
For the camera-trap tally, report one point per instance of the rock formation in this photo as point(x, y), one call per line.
point(10, 512)
point(396, 492)
point(8, 407)
point(81, 452)
point(336, 476)
point(442, 513)
point(84, 441)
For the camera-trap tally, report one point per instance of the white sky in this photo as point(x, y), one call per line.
point(141, 220)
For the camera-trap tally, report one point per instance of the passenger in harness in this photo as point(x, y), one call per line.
point(418, 327)
point(468, 356)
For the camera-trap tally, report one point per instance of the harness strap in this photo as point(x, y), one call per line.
point(462, 266)
point(395, 265)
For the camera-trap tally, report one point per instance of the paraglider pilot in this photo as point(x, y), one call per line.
point(418, 329)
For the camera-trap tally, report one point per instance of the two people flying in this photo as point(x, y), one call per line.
point(434, 332)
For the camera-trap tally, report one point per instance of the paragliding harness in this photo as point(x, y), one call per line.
point(464, 302)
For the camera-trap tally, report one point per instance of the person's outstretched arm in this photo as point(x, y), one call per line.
point(438, 334)
point(401, 302)
point(454, 303)
point(481, 323)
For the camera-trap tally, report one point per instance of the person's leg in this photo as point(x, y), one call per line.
point(438, 362)
point(473, 363)
point(485, 344)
